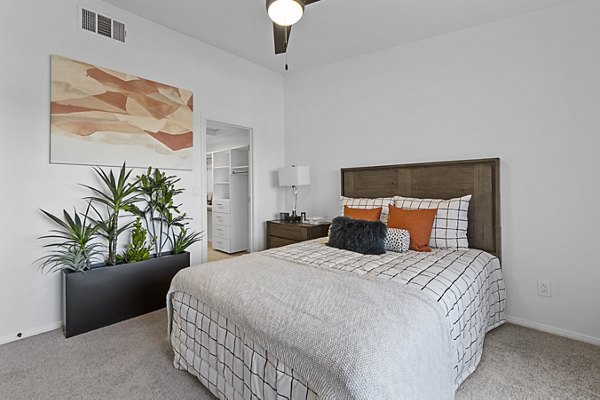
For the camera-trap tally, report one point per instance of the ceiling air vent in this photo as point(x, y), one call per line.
point(119, 31)
point(88, 20)
point(102, 25)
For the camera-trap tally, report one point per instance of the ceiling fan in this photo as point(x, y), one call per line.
point(284, 14)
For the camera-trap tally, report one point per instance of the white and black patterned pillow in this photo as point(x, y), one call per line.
point(397, 240)
point(366, 203)
point(451, 221)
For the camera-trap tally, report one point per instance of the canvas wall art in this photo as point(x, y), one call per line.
point(104, 117)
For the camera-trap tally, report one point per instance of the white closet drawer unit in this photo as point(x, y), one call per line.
point(222, 206)
point(222, 232)
point(221, 244)
point(221, 219)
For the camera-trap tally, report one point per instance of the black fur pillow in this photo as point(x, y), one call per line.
point(365, 237)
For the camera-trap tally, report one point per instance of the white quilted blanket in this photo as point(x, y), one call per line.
point(352, 337)
point(466, 283)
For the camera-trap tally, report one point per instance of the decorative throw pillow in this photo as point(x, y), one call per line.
point(397, 240)
point(363, 202)
point(451, 221)
point(418, 222)
point(365, 237)
point(367, 214)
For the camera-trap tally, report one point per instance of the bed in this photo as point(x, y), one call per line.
point(307, 321)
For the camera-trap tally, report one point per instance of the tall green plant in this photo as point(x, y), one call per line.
point(72, 247)
point(106, 228)
point(160, 212)
point(118, 195)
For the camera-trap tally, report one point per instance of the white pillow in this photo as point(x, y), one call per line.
point(451, 221)
point(397, 240)
point(366, 203)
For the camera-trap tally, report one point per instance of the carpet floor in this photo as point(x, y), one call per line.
point(133, 360)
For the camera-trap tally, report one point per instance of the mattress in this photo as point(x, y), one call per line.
point(466, 284)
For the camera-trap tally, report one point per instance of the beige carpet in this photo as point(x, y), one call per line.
point(521, 363)
point(133, 360)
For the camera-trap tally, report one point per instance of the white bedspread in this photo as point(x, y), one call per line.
point(352, 337)
point(466, 286)
point(467, 283)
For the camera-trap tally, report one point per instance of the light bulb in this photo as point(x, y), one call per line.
point(285, 12)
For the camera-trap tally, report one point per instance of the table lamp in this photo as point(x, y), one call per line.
point(294, 176)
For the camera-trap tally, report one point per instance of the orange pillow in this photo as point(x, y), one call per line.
point(367, 214)
point(417, 222)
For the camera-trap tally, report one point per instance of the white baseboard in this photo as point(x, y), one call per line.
point(553, 330)
point(31, 332)
point(513, 320)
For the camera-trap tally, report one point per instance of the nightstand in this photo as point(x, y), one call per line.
point(282, 233)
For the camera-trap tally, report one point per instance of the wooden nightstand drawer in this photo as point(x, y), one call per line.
point(275, 241)
point(294, 232)
point(281, 233)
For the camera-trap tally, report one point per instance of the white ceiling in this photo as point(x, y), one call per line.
point(331, 30)
point(220, 133)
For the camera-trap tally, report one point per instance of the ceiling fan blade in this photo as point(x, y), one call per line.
point(280, 37)
point(307, 2)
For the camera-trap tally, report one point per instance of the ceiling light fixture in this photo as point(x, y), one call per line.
point(285, 12)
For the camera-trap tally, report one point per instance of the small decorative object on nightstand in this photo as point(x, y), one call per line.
point(282, 233)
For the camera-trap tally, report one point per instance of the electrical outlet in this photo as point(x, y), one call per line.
point(544, 288)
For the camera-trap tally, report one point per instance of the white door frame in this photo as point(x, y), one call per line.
point(251, 211)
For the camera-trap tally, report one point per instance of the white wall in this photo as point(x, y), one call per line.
point(525, 89)
point(226, 88)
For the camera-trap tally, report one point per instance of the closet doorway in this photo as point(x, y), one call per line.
point(229, 190)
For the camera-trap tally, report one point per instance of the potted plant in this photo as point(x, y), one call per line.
point(104, 287)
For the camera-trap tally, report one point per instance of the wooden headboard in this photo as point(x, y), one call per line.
point(439, 180)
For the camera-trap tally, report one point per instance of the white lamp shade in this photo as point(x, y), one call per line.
point(294, 176)
point(285, 12)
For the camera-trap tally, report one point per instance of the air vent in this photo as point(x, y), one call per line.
point(119, 31)
point(88, 20)
point(102, 25)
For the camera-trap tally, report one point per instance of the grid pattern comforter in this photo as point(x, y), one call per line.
point(466, 283)
point(228, 362)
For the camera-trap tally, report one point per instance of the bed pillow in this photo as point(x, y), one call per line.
point(417, 222)
point(362, 202)
point(365, 237)
point(367, 214)
point(397, 240)
point(451, 221)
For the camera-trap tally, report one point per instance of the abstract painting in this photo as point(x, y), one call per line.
point(104, 117)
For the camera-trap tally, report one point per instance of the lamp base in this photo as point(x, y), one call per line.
point(294, 218)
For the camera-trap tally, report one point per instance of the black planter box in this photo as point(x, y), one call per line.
point(105, 295)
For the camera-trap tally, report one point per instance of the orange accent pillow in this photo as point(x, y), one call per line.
point(367, 214)
point(417, 222)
